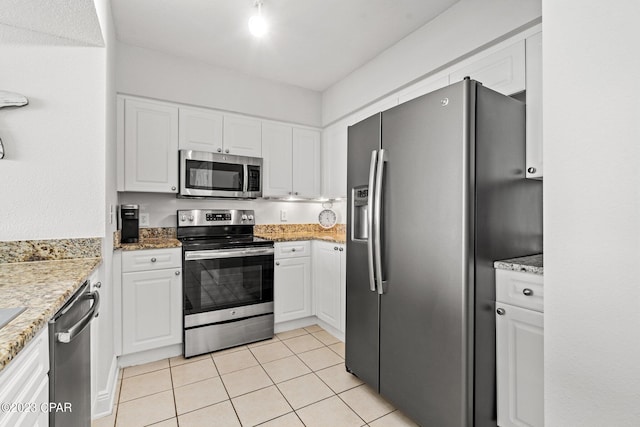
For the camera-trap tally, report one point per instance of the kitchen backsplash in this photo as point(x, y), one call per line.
point(49, 250)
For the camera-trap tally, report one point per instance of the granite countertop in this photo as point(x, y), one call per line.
point(297, 236)
point(152, 243)
point(529, 264)
point(43, 287)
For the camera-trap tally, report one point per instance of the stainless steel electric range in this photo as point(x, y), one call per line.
point(227, 280)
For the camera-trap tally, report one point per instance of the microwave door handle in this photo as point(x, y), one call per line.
point(245, 178)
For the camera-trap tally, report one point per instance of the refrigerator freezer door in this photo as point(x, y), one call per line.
point(424, 310)
point(362, 346)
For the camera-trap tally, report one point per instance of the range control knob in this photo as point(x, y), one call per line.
point(183, 218)
point(250, 217)
point(244, 217)
point(190, 217)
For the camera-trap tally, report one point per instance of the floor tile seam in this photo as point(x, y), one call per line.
point(161, 421)
point(188, 361)
point(331, 388)
point(173, 392)
point(273, 360)
point(146, 395)
point(352, 409)
point(270, 419)
point(264, 342)
point(261, 388)
point(382, 416)
point(194, 382)
point(144, 373)
point(230, 401)
point(202, 407)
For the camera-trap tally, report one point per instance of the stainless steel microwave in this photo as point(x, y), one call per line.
point(205, 174)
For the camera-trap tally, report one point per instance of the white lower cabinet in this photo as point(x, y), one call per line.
point(292, 281)
point(151, 300)
point(329, 282)
point(24, 383)
point(519, 350)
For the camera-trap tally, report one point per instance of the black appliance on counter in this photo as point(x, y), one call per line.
point(227, 280)
point(130, 226)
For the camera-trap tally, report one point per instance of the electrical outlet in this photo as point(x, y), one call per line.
point(111, 214)
point(283, 215)
point(144, 220)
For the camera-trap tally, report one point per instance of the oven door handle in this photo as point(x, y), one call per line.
point(226, 253)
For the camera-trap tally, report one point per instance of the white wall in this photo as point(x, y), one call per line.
point(162, 208)
point(466, 27)
point(592, 212)
point(154, 74)
point(52, 177)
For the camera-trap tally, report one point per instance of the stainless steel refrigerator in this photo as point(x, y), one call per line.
point(437, 192)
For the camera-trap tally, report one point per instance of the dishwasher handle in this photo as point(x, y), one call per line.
point(75, 330)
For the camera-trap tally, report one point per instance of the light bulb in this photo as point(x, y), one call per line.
point(258, 25)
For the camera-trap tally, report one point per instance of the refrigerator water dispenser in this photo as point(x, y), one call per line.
point(360, 211)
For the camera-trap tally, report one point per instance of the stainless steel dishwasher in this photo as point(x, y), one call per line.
point(70, 359)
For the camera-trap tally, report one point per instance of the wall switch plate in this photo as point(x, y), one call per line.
point(111, 214)
point(144, 220)
point(283, 215)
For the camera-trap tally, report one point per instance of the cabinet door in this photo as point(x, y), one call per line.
point(306, 163)
point(534, 106)
point(200, 130)
point(151, 309)
point(150, 147)
point(292, 289)
point(242, 136)
point(327, 282)
point(519, 361)
point(334, 161)
point(422, 88)
point(276, 157)
point(502, 71)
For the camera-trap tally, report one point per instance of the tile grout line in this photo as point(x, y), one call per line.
point(226, 391)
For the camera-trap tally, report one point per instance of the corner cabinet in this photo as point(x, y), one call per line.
point(151, 299)
point(291, 161)
point(329, 282)
point(292, 281)
point(147, 146)
point(519, 349)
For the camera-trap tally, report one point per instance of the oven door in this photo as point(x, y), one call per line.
point(217, 280)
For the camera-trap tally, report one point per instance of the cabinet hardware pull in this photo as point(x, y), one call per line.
point(341, 249)
point(226, 151)
point(500, 311)
point(335, 248)
point(531, 170)
point(177, 273)
point(528, 292)
point(277, 263)
point(173, 188)
point(293, 249)
point(98, 285)
point(219, 150)
point(153, 260)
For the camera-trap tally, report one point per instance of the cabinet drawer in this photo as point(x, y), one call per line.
point(292, 249)
point(151, 259)
point(520, 289)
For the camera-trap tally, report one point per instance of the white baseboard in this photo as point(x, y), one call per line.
point(149, 356)
point(308, 321)
point(104, 401)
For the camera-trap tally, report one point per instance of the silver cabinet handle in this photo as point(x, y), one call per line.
point(341, 249)
point(335, 248)
point(226, 151)
point(173, 188)
point(528, 292)
point(98, 285)
point(500, 311)
point(289, 192)
point(297, 193)
point(177, 273)
point(153, 259)
point(219, 150)
point(277, 262)
point(293, 249)
point(370, 259)
point(531, 170)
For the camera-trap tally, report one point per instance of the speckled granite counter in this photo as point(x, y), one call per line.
point(150, 238)
point(297, 232)
point(43, 287)
point(529, 264)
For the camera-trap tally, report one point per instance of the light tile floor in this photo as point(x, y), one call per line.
point(295, 379)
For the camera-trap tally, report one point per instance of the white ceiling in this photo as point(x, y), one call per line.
point(50, 22)
point(311, 43)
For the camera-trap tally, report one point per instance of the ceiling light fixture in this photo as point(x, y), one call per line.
point(257, 24)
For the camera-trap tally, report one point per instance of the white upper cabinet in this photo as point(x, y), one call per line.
point(502, 71)
point(200, 130)
point(277, 159)
point(306, 163)
point(149, 146)
point(291, 160)
point(242, 136)
point(334, 161)
point(422, 88)
point(534, 106)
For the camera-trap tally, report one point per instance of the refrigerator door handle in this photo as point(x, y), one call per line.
point(377, 220)
point(370, 207)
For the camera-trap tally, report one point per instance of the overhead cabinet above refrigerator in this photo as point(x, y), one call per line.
point(437, 192)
